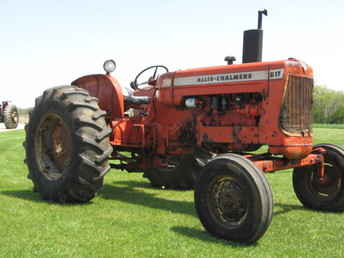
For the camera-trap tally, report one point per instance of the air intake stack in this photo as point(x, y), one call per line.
point(253, 42)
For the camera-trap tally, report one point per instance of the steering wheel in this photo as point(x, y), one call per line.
point(135, 85)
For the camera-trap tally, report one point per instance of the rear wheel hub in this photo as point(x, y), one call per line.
point(53, 146)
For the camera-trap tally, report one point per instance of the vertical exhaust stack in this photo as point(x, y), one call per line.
point(253, 42)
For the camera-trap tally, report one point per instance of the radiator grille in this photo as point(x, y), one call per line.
point(296, 113)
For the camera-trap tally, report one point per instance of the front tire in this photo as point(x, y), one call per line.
point(233, 199)
point(326, 193)
point(67, 145)
point(11, 117)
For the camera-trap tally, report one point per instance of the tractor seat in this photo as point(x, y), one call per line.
point(131, 99)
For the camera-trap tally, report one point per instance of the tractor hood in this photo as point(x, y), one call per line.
point(228, 74)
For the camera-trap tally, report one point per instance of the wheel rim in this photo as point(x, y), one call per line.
point(53, 146)
point(328, 187)
point(14, 117)
point(228, 202)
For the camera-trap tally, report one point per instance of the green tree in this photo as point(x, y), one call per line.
point(328, 105)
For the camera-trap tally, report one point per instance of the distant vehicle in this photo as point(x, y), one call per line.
point(9, 114)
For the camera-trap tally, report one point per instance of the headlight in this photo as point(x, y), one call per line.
point(109, 66)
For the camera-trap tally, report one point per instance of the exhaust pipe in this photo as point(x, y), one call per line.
point(253, 41)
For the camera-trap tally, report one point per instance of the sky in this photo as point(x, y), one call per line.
point(46, 43)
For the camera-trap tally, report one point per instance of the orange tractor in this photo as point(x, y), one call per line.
point(195, 128)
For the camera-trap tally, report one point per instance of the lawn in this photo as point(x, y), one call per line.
point(129, 218)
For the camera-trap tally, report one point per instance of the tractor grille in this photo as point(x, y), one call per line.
point(296, 113)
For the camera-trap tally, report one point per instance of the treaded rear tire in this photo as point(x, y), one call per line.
point(67, 145)
point(11, 117)
point(233, 199)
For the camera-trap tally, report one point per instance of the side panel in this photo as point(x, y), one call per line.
point(130, 133)
point(253, 96)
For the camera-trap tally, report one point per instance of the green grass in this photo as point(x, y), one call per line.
point(128, 218)
point(332, 126)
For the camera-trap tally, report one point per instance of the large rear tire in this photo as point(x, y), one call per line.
point(326, 193)
point(233, 199)
point(67, 145)
point(11, 116)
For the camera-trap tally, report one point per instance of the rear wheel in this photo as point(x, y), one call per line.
point(11, 117)
point(67, 145)
point(181, 173)
point(233, 199)
point(325, 193)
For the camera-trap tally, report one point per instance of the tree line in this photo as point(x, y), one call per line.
point(328, 106)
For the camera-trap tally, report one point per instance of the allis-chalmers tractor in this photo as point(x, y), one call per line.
point(9, 115)
point(190, 128)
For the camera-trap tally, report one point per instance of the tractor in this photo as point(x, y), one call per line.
point(190, 129)
point(9, 115)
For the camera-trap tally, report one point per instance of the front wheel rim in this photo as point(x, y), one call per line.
point(228, 201)
point(326, 188)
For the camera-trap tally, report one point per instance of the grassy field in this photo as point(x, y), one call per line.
point(128, 218)
point(332, 126)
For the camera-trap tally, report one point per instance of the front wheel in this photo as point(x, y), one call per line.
point(67, 145)
point(233, 199)
point(326, 193)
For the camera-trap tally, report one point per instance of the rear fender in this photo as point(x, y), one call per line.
point(108, 91)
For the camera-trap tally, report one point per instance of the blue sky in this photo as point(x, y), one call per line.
point(50, 43)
